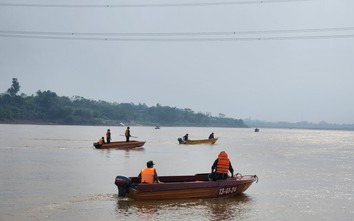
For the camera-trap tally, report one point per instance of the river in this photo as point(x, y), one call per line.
point(50, 172)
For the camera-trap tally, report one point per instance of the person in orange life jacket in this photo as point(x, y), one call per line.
point(148, 175)
point(221, 167)
point(101, 141)
point(127, 134)
point(108, 136)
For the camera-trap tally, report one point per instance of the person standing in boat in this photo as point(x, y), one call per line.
point(185, 137)
point(108, 136)
point(221, 167)
point(211, 136)
point(148, 175)
point(127, 134)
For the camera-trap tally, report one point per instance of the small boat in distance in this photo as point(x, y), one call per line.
point(204, 141)
point(256, 130)
point(157, 127)
point(120, 144)
point(183, 187)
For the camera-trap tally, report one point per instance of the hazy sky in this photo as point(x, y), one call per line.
point(287, 60)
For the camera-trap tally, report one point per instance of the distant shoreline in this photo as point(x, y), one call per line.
point(113, 124)
point(335, 127)
point(299, 125)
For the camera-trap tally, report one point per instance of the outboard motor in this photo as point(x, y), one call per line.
point(180, 140)
point(123, 184)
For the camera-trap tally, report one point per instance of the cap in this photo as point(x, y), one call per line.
point(150, 163)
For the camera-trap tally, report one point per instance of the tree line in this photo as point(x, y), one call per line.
point(48, 108)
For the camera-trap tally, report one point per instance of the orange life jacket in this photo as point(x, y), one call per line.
point(100, 142)
point(127, 132)
point(223, 163)
point(147, 175)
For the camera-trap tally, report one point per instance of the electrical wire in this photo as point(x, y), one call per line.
point(305, 37)
point(276, 31)
point(149, 5)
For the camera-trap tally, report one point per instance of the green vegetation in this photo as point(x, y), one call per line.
point(46, 107)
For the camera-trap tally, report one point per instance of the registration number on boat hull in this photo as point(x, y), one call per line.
point(227, 190)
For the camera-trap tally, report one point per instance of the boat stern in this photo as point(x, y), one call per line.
point(180, 141)
point(123, 183)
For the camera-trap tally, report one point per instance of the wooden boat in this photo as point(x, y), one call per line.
point(120, 144)
point(205, 141)
point(183, 187)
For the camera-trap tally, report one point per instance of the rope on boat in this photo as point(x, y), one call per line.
point(255, 176)
point(238, 176)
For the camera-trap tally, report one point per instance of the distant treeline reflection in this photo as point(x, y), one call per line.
point(48, 107)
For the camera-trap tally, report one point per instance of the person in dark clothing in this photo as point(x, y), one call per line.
point(127, 134)
point(211, 136)
point(185, 137)
point(221, 167)
point(108, 136)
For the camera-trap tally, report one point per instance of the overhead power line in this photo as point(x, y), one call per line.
point(154, 34)
point(148, 5)
point(168, 34)
point(279, 34)
point(307, 37)
point(185, 39)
